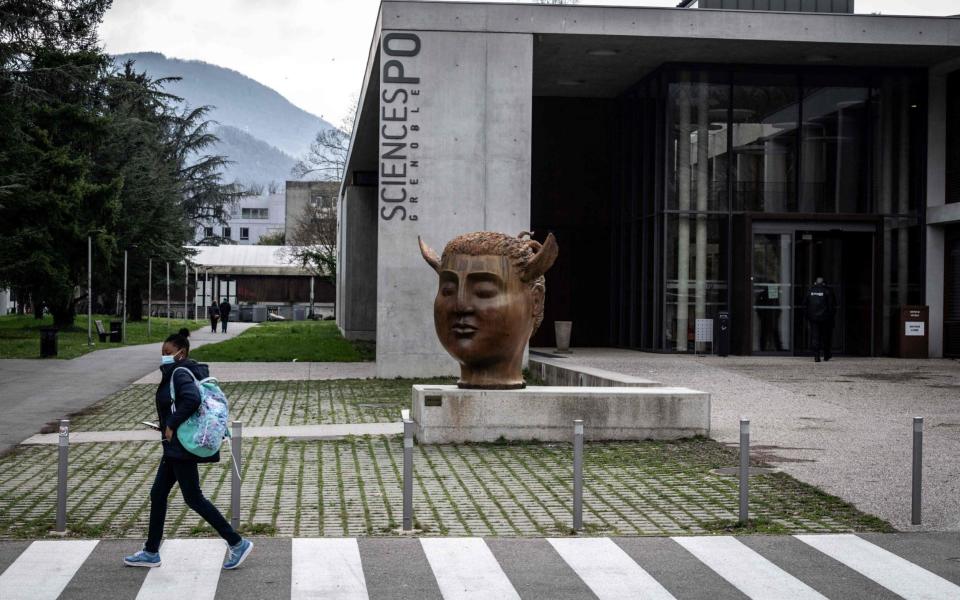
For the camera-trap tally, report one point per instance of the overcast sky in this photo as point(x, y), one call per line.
point(311, 51)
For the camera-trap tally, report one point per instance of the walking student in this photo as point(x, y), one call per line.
point(213, 312)
point(178, 465)
point(821, 308)
point(224, 313)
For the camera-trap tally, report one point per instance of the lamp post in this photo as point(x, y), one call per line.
point(90, 291)
point(150, 298)
point(125, 253)
point(168, 295)
point(186, 289)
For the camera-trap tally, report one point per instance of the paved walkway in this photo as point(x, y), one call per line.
point(34, 392)
point(848, 567)
point(329, 431)
point(843, 425)
point(282, 371)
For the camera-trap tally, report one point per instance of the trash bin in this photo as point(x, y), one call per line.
point(299, 313)
point(48, 342)
point(721, 333)
point(259, 314)
point(116, 331)
point(912, 332)
point(246, 314)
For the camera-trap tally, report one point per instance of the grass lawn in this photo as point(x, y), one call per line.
point(305, 341)
point(20, 335)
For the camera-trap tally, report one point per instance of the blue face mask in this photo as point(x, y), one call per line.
point(168, 359)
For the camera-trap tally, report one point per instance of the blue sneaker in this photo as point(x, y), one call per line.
point(143, 559)
point(237, 554)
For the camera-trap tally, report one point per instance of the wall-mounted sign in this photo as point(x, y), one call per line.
point(914, 328)
point(399, 129)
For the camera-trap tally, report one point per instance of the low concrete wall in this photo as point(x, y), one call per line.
point(446, 414)
point(559, 371)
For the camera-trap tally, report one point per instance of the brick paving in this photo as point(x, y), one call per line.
point(352, 486)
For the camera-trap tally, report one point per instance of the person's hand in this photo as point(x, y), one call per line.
point(167, 433)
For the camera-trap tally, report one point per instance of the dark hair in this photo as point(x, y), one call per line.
point(179, 340)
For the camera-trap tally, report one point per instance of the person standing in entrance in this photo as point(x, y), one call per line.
point(821, 308)
point(213, 312)
point(224, 314)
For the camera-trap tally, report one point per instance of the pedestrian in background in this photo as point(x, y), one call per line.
point(213, 312)
point(821, 309)
point(224, 314)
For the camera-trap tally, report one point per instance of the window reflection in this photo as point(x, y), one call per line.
point(765, 116)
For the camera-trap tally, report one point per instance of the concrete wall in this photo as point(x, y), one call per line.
point(457, 108)
point(357, 272)
point(937, 211)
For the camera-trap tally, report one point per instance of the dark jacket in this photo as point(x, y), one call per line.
point(213, 311)
point(224, 309)
point(820, 303)
point(187, 402)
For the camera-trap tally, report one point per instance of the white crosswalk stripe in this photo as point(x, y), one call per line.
point(190, 569)
point(466, 569)
point(462, 569)
point(607, 570)
point(44, 569)
point(747, 570)
point(328, 568)
point(900, 576)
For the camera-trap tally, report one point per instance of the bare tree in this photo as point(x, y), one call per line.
point(314, 240)
point(327, 157)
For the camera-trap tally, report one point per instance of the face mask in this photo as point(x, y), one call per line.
point(168, 359)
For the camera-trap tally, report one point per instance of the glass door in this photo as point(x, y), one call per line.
point(772, 283)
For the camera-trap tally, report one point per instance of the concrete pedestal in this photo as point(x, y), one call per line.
point(447, 414)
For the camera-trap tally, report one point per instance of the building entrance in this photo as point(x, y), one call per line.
point(787, 259)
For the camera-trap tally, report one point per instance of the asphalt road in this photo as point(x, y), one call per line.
point(867, 567)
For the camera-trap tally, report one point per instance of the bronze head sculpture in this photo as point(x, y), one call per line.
point(489, 302)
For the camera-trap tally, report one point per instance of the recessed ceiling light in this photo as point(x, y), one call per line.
point(570, 82)
point(603, 52)
point(821, 58)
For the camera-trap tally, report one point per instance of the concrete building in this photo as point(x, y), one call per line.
point(300, 194)
point(256, 275)
point(252, 218)
point(689, 160)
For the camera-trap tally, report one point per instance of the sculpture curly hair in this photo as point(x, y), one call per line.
point(528, 256)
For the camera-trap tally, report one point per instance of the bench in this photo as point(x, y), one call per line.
point(101, 331)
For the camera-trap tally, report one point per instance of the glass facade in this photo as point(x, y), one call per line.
point(739, 185)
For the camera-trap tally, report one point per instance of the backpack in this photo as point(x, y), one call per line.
point(203, 432)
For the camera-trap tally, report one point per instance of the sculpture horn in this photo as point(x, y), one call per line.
point(429, 255)
point(542, 260)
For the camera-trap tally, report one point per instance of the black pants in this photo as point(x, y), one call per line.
point(213, 325)
point(223, 322)
point(185, 473)
point(821, 338)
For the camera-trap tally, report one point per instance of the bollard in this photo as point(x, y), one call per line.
point(64, 444)
point(407, 475)
point(236, 457)
point(916, 504)
point(744, 470)
point(577, 474)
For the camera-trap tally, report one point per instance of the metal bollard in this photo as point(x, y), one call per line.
point(64, 446)
point(916, 503)
point(577, 474)
point(407, 475)
point(236, 458)
point(744, 470)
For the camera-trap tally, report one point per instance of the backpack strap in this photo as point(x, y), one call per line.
point(173, 394)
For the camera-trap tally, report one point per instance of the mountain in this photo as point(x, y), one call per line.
point(261, 130)
point(254, 160)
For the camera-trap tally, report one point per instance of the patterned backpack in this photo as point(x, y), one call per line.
point(203, 432)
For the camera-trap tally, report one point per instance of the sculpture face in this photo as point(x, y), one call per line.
point(486, 309)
